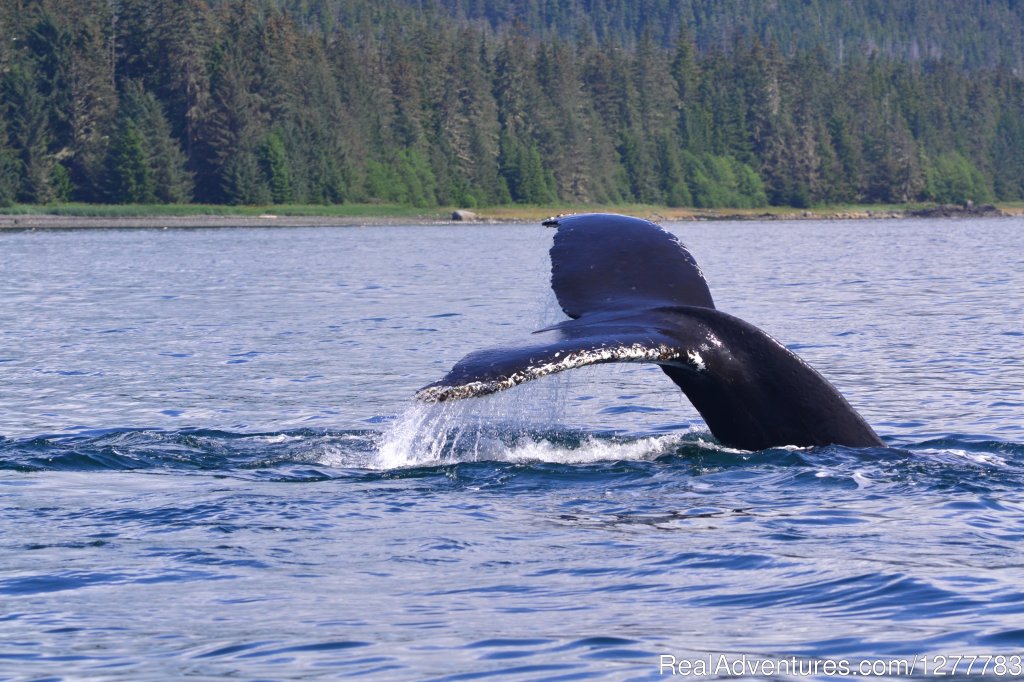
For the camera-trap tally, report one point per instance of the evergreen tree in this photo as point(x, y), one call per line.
point(145, 162)
point(674, 188)
point(8, 170)
point(165, 45)
point(92, 99)
point(691, 124)
point(28, 129)
point(1007, 161)
point(49, 50)
point(521, 166)
point(235, 118)
point(129, 178)
point(464, 112)
point(275, 167)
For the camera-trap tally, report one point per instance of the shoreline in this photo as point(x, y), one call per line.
point(72, 222)
point(501, 215)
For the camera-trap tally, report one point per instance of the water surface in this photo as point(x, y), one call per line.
point(210, 465)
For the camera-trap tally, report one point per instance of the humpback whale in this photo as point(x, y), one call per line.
point(633, 293)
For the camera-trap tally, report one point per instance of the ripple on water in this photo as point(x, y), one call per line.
point(691, 543)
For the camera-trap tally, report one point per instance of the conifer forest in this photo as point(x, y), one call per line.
point(705, 103)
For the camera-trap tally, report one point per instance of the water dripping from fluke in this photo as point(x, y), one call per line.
point(505, 428)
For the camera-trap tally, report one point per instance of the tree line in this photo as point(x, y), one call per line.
point(420, 103)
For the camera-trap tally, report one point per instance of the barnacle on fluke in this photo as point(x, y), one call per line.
point(634, 352)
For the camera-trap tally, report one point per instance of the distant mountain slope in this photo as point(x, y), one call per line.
point(970, 33)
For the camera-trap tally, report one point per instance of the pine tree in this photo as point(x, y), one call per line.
point(523, 170)
point(686, 74)
point(28, 129)
point(129, 177)
point(143, 136)
point(235, 119)
point(1007, 161)
point(275, 167)
point(165, 44)
point(92, 99)
point(49, 48)
point(8, 169)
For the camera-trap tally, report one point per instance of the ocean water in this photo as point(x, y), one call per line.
point(211, 466)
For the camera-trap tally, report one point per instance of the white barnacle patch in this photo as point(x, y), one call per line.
point(714, 340)
point(696, 360)
point(636, 352)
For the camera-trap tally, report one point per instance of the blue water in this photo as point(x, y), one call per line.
point(210, 465)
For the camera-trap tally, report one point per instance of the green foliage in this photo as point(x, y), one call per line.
point(8, 177)
point(243, 180)
point(144, 163)
point(61, 182)
point(416, 103)
point(523, 170)
point(405, 179)
point(129, 177)
point(723, 181)
point(274, 161)
point(952, 179)
point(417, 176)
point(28, 128)
point(674, 186)
point(1008, 171)
point(167, 162)
point(9, 170)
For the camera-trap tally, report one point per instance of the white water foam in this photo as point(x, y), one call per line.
point(984, 459)
point(593, 449)
point(431, 434)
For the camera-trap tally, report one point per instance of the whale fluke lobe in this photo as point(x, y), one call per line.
point(605, 262)
point(635, 294)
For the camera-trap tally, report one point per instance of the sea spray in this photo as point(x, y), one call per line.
point(516, 426)
point(468, 430)
point(486, 428)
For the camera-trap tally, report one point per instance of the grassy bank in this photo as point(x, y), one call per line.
point(666, 213)
point(354, 213)
point(188, 210)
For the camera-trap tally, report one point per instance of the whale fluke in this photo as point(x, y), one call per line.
point(636, 295)
point(603, 262)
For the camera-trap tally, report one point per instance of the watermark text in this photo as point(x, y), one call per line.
point(937, 665)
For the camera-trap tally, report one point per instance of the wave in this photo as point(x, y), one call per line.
point(437, 441)
point(188, 450)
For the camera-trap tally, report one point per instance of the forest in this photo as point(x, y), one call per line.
point(705, 103)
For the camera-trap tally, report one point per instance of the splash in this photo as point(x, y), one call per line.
point(507, 428)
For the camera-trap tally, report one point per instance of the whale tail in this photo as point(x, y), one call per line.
point(636, 295)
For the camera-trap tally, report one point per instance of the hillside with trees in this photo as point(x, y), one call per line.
point(456, 102)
